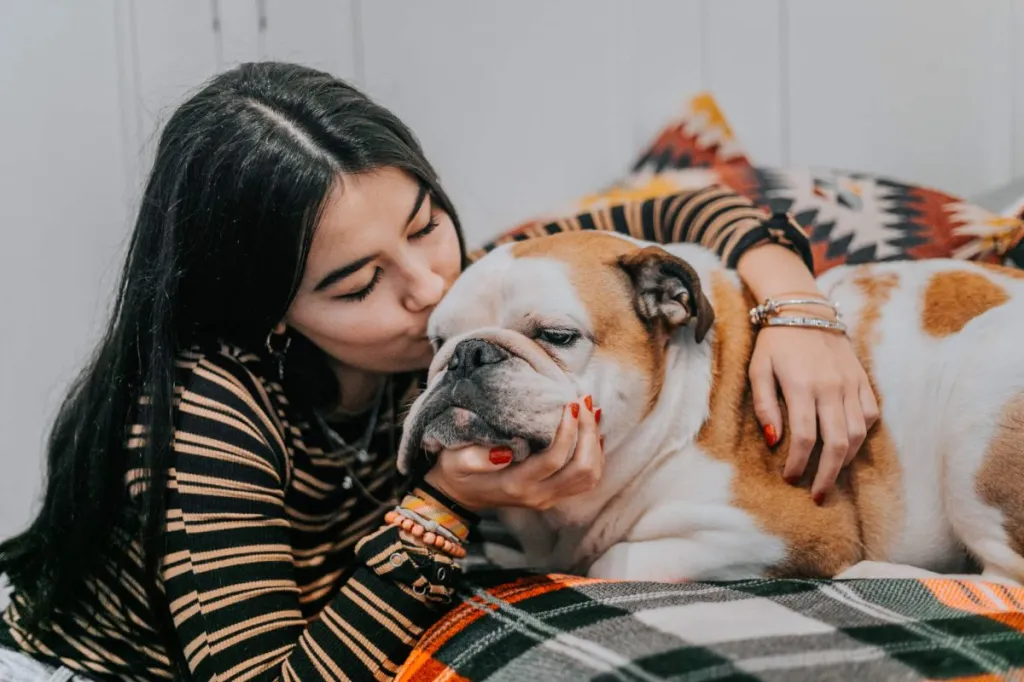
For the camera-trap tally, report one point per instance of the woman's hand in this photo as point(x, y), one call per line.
point(826, 389)
point(479, 477)
point(824, 385)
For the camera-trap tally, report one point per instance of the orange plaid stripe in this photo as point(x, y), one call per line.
point(421, 665)
point(998, 602)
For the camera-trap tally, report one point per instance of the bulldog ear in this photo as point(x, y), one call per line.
point(667, 291)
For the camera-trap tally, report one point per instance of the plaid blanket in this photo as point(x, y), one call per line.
point(519, 626)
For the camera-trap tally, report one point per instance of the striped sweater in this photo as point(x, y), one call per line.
point(276, 565)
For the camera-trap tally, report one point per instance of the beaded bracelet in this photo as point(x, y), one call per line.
point(429, 520)
point(425, 532)
point(422, 504)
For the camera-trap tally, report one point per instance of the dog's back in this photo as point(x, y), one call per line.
point(941, 342)
point(942, 469)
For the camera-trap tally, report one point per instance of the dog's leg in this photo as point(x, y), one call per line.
point(984, 487)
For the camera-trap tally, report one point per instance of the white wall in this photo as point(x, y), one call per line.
point(63, 215)
point(520, 105)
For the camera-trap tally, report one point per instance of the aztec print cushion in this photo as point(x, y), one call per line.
point(1016, 253)
point(851, 217)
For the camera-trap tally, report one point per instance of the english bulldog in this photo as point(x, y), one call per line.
point(661, 338)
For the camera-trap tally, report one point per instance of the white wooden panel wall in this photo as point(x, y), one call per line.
point(63, 198)
point(903, 88)
point(162, 70)
point(744, 61)
point(1017, 86)
point(318, 33)
point(523, 105)
point(518, 105)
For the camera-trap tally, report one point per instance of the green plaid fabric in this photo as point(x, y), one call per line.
point(517, 626)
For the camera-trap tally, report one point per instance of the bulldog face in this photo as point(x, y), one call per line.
point(535, 325)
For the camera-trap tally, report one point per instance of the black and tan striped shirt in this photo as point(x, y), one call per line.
point(261, 575)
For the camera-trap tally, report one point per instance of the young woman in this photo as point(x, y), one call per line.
point(221, 494)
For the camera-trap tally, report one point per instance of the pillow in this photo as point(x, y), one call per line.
point(850, 217)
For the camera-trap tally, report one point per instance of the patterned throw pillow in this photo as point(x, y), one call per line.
point(851, 217)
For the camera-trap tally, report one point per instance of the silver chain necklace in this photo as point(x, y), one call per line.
point(361, 447)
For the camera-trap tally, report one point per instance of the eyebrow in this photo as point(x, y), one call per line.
point(338, 274)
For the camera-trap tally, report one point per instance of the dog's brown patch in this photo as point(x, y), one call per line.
point(821, 541)
point(1001, 476)
point(861, 518)
point(952, 299)
point(876, 474)
point(607, 294)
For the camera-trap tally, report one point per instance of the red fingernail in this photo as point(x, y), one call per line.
point(589, 402)
point(575, 409)
point(597, 416)
point(819, 498)
point(770, 435)
point(500, 455)
point(792, 480)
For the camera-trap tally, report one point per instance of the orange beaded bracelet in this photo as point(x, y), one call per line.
point(396, 517)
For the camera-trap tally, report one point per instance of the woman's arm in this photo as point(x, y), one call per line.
point(826, 389)
point(229, 564)
point(725, 222)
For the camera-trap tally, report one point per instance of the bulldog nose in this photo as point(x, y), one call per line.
point(472, 354)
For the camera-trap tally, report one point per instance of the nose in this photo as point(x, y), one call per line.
point(472, 354)
point(426, 289)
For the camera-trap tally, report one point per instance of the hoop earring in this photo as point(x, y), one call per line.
point(278, 349)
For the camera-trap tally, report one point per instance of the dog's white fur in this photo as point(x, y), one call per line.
point(665, 509)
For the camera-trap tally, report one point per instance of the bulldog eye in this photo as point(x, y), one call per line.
point(437, 342)
point(558, 337)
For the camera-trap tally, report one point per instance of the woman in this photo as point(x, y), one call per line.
point(221, 495)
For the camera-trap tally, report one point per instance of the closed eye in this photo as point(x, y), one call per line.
point(561, 338)
point(427, 229)
point(365, 291)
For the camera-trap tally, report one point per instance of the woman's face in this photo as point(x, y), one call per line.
point(382, 258)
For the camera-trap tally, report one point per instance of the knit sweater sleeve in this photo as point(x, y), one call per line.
point(714, 217)
point(228, 570)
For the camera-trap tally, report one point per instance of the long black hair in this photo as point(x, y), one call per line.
point(226, 220)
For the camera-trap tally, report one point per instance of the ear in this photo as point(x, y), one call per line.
point(667, 291)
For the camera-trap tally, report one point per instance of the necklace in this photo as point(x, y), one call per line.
point(361, 447)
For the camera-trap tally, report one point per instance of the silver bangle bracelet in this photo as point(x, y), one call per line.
point(811, 322)
point(759, 314)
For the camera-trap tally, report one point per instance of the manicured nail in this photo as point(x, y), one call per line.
point(819, 498)
point(575, 409)
point(769, 435)
point(792, 480)
point(500, 455)
point(589, 402)
point(597, 416)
